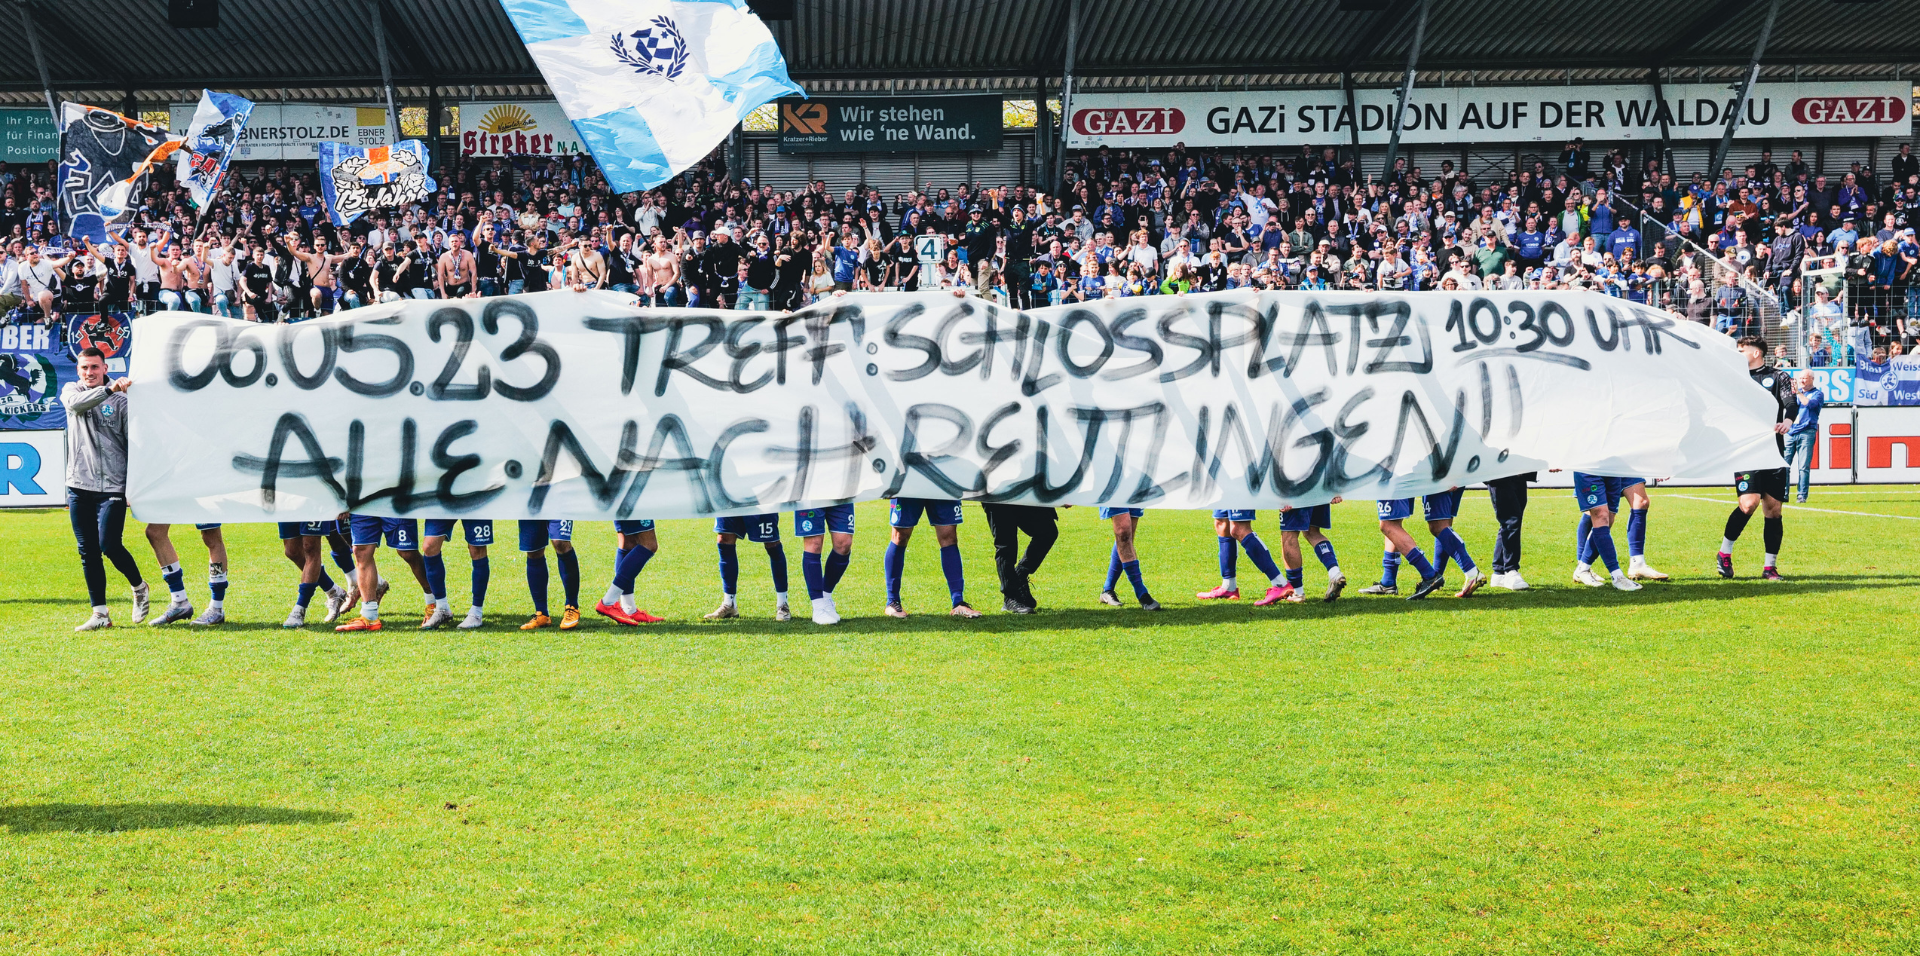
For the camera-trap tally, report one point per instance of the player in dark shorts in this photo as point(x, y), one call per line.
point(1765, 489)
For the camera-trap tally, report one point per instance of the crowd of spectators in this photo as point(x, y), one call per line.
point(1127, 223)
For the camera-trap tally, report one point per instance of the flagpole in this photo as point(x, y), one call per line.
point(386, 71)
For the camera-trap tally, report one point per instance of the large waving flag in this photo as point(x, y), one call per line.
point(652, 85)
point(105, 159)
point(201, 163)
point(359, 179)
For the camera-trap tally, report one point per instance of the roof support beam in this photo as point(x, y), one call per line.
point(1746, 88)
point(1375, 34)
point(1690, 35)
point(1406, 90)
point(40, 62)
point(416, 58)
point(1066, 95)
point(1353, 114)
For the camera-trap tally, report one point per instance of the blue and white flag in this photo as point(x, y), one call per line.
point(201, 162)
point(652, 85)
point(359, 179)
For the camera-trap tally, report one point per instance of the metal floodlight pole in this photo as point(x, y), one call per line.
point(1042, 129)
point(1746, 88)
point(1066, 95)
point(1353, 114)
point(39, 61)
point(1664, 114)
point(1406, 91)
point(386, 69)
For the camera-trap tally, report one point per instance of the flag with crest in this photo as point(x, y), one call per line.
point(652, 85)
point(201, 162)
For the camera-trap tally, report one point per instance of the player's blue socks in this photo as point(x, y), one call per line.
point(632, 561)
point(956, 575)
point(811, 573)
point(1390, 568)
point(343, 561)
point(1419, 562)
point(306, 593)
point(1582, 549)
point(1297, 577)
point(325, 583)
point(569, 575)
point(894, 564)
point(836, 568)
point(436, 567)
point(537, 581)
point(1601, 540)
point(777, 563)
point(1114, 567)
point(1637, 532)
point(1229, 559)
point(217, 582)
point(1457, 547)
point(1442, 552)
point(729, 570)
point(176, 579)
point(1132, 569)
point(482, 573)
point(1324, 551)
point(1262, 559)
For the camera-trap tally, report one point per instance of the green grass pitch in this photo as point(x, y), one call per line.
point(1706, 766)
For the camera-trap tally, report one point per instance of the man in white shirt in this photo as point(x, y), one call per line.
point(146, 272)
point(1259, 207)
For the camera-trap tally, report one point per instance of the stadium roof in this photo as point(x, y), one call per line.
point(98, 50)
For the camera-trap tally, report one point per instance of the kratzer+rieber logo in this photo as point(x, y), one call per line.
point(805, 118)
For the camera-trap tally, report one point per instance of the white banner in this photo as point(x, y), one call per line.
point(579, 405)
point(280, 131)
point(516, 129)
point(1485, 114)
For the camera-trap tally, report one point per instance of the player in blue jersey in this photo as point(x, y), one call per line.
point(759, 529)
point(1233, 531)
point(433, 537)
point(300, 542)
point(1125, 559)
point(400, 534)
point(944, 515)
point(1634, 490)
point(1311, 521)
point(637, 544)
point(1441, 509)
point(1392, 512)
point(534, 538)
point(1593, 492)
point(813, 526)
point(179, 606)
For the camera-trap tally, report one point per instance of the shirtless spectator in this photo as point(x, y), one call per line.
point(662, 276)
point(457, 275)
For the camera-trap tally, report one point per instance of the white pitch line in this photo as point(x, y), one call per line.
point(1830, 511)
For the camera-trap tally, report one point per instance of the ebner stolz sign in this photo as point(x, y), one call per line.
point(889, 124)
point(1490, 114)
